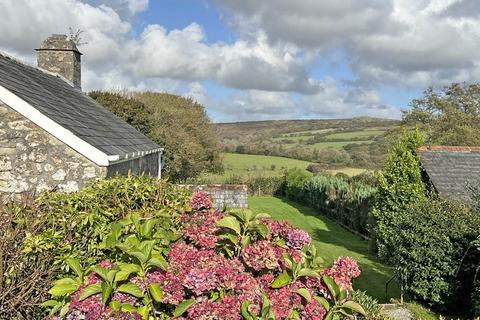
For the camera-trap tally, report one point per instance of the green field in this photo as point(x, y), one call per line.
point(337, 144)
point(242, 164)
point(332, 241)
point(356, 134)
point(330, 142)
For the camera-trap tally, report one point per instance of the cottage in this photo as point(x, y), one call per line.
point(451, 169)
point(52, 135)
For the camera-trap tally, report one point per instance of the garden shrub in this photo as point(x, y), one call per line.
point(430, 241)
point(23, 279)
point(343, 199)
point(400, 185)
point(236, 265)
point(41, 234)
point(262, 186)
point(373, 309)
point(435, 256)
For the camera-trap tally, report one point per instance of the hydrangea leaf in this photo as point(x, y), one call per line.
point(230, 223)
point(63, 287)
point(156, 292)
point(282, 280)
point(305, 293)
point(90, 291)
point(354, 306)
point(131, 289)
point(182, 307)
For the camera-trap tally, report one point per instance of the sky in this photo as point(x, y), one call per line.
point(250, 60)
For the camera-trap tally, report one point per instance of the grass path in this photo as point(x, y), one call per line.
point(332, 241)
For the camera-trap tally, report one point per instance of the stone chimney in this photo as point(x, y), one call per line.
point(60, 55)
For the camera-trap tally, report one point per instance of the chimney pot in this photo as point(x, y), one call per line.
point(60, 55)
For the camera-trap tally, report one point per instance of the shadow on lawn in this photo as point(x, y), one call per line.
point(375, 274)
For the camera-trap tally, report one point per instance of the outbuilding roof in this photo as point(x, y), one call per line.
point(451, 168)
point(69, 114)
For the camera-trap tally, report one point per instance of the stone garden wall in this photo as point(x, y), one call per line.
point(230, 195)
point(32, 160)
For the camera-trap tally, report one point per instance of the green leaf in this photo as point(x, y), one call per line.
point(115, 305)
point(144, 312)
point(332, 286)
point(245, 312)
point(141, 257)
point(307, 272)
point(282, 280)
point(342, 294)
point(230, 223)
point(147, 247)
point(329, 316)
point(305, 293)
point(182, 307)
point(261, 229)
point(64, 310)
point(158, 261)
point(74, 264)
point(129, 308)
point(111, 275)
point(107, 291)
point(355, 307)
point(294, 315)
point(324, 302)
point(49, 303)
point(147, 227)
point(156, 292)
point(101, 272)
point(126, 269)
point(245, 241)
point(90, 291)
point(63, 287)
point(131, 289)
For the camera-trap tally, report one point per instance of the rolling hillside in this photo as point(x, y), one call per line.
point(334, 143)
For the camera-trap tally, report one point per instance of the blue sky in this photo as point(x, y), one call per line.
point(269, 59)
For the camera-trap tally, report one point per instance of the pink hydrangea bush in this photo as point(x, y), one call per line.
point(218, 285)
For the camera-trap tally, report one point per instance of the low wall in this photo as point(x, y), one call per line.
point(230, 195)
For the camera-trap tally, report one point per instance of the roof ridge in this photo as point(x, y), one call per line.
point(449, 148)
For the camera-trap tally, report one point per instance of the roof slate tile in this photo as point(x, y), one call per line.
point(72, 109)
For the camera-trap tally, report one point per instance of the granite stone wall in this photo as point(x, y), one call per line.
point(32, 160)
point(230, 195)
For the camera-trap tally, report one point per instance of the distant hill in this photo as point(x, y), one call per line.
point(272, 127)
point(331, 142)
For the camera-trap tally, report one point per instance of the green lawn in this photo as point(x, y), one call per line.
point(332, 241)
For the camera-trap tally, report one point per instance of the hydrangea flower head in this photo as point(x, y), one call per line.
point(201, 201)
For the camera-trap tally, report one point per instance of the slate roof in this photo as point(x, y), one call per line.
point(451, 169)
point(72, 109)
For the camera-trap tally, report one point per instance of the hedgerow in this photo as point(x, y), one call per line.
point(343, 199)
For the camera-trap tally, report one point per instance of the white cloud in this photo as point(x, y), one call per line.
point(183, 54)
point(403, 43)
point(409, 43)
point(330, 102)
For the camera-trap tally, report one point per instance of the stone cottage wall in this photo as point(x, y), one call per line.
point(32, 160)
point(231, 195)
